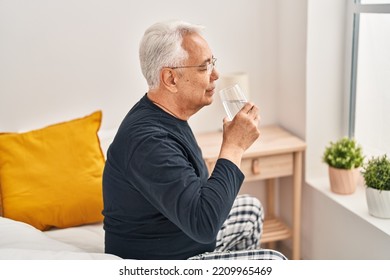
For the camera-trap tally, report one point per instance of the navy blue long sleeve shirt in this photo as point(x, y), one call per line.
point(159, 201)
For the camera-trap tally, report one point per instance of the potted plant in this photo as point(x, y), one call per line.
point(376, 174)
point(344, 157)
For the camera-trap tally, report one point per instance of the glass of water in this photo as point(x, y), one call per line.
point(233, 99)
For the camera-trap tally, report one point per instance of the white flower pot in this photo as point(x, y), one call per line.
point(378, 203)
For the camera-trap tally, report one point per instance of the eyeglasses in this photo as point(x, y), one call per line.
point(208, 66)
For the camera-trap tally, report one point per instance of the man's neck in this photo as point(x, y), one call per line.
point(166, 103)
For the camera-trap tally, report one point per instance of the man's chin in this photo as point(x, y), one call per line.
point(210, 100)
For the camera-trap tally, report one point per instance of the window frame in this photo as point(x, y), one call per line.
point(356, 10)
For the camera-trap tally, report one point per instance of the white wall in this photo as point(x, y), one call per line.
point(64, 59)
point(326, 73)
point(291, 87)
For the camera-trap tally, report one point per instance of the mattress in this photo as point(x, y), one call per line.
point(20, 241)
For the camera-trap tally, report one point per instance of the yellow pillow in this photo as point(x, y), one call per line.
point(52, 177)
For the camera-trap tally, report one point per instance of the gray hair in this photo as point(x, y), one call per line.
point(161, 46)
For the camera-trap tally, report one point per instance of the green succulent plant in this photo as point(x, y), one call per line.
point(345, 153)
point(376, 173)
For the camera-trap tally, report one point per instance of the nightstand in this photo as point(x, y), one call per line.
point(277, 153)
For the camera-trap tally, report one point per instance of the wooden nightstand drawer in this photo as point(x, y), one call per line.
point(264, 167)
point(267, 166)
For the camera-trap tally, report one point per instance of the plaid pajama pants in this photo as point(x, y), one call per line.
point(239, 236)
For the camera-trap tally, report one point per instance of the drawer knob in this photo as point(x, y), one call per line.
point(255, 166)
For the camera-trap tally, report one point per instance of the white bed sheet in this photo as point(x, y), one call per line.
point(20, 241)
point(89, 238)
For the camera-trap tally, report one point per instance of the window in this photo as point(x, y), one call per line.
point(369, 119)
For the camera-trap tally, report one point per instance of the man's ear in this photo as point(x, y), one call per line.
point(168, 79)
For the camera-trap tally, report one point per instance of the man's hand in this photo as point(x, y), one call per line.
point(240, 133)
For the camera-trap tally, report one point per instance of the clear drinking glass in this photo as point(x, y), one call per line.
point(233, 99)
